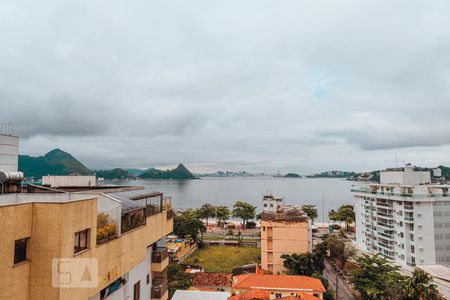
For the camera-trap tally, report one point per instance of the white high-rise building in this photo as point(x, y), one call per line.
point(405, 218)
point(9, 152)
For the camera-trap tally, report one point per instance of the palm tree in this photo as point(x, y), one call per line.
point(419, 286)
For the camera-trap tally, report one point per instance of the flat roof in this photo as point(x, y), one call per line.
point(22, 198)
point(196, 295)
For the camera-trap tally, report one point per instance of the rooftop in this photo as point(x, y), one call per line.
point(212, 279)
point(265, 295)
point(278, 282)
point(290, 213)
point(196, 295)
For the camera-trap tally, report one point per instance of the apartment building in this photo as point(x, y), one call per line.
point(83, 242)
point(116, 240)
point(284, 230)
point(404, 218)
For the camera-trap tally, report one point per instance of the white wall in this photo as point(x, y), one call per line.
point(9, 153)
point(67, 181)
point(407, 178)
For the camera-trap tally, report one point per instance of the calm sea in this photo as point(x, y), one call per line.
point(226, 191)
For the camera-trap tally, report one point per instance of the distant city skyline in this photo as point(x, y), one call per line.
point(258, 86)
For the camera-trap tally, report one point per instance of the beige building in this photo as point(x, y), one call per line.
point(92, 244)
point(284, 230)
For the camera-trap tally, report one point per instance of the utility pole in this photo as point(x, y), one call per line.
point(323, 209)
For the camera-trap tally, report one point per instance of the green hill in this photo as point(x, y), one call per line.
point(180, 172)
point(55, 162)
point(116, 173)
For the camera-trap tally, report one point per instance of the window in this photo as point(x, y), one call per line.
point(148, 278)
point(277, 295)
point(20, 250)
point(137, 291)
point(81, 241)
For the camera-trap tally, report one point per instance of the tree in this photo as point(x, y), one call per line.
point(345, 213)
point(419, 286)
point(339, 250)
point(187, 224)
point(376, 279)
point(306, 264)
point(243, 210)
point(206, 211)
point(177, 278)
point(311, 211)
point(222, 214)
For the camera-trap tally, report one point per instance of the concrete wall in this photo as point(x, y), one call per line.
point(67, 181)
point(407, 178)
point(9, 153)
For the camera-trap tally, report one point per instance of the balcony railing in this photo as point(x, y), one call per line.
point(159, 255)
point(411, 219)
point(404, 195)
point(159, 288)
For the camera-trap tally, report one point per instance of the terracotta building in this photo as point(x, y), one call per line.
point(284, 230)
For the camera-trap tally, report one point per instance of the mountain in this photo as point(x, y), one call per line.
point(55, 162)
point(116, 173)
point(138, 172)
point(180, 172)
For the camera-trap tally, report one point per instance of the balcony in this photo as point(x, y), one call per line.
point(159, 290)
point(385, 225)
point(409, 219)
point(160, 260)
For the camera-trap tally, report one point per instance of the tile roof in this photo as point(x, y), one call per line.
point(277, 282)
point(265, 295)
point(252, 294)
point(212, 279)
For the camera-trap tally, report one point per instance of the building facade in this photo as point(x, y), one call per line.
point(284, 230)
point(404, 218)
point(117, 238)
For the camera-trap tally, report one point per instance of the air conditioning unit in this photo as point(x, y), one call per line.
point(420, 237)
point(419, 214)
point(420, 225)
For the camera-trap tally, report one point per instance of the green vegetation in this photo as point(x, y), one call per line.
point(243, 210)
point(112, 174)
point(311, 211)
point(222, 214)
point(177, 278)
point(206, 211)
point(55, 162)
point(292, 175)
point(187, 224)
point(345, 213)
point(224, 258)
point(180, 172)
point(374, 277)
point(377, 279)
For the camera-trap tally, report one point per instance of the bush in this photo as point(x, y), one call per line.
point(105, 227)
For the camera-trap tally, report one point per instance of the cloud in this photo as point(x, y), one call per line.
point(303, 85)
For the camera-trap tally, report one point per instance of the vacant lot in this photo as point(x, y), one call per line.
point(224, 258)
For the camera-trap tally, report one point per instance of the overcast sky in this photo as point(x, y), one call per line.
point(299, 86)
